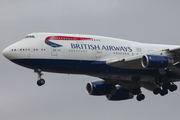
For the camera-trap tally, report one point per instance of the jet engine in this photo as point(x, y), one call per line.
point(121, 94)
point(156, 61)
point(100, 88)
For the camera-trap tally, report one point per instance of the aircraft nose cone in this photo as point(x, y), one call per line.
point(7, 53)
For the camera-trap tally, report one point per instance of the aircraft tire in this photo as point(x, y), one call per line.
point(163, 92)
point(173, 88)
point(40, 82)
point(140, 97)
point(157, 91)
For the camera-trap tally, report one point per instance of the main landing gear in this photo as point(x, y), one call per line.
point(164, 87)
point(40, 81)
point(140, 96)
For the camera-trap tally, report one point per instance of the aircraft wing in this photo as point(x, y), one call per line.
point(175, 49)
point(134, 62)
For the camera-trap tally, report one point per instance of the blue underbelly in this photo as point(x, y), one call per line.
point(79, 67)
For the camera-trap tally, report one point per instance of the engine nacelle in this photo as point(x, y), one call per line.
point(156, 61)
point(100, 88)
point(121, 94)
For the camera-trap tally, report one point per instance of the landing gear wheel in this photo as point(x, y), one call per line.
point(40, 82)
point(140, 97)
point(163, 92)
point(173, 88)
point(157, 91)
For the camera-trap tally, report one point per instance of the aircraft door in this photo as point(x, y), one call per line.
point(54, 50)
point(98, 54)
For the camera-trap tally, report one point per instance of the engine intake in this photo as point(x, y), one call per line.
point(121, 94)
point(156, 61)
point(100, 88)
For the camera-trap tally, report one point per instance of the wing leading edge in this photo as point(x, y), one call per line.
point(135, 62)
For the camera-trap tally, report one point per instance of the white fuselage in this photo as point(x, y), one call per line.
point(94, 49)
point(80, 54)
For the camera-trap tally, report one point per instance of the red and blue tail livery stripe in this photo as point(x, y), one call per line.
point(52, 44)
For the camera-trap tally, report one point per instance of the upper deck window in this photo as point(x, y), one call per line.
point(30, 36)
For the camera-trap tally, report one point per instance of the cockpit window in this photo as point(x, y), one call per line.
point(30, 36)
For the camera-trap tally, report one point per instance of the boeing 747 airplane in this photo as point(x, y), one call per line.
point(122, 66)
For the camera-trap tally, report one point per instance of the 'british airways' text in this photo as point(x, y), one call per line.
point(103, 47)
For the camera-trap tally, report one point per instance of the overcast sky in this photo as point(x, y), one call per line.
point(64, 97)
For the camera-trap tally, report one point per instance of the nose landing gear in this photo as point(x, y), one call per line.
point(40, 81)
